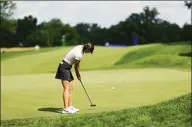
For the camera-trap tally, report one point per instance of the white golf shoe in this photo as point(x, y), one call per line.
point(68, 110)
point(74, 109)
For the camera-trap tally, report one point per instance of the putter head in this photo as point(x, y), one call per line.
point(93, 105)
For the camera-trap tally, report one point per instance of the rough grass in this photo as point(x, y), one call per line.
point(158, 55)
point(172, 113)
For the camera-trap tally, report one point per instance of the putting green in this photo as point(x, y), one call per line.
point(25, 96)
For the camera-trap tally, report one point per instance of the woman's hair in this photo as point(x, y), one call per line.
point(88, 46)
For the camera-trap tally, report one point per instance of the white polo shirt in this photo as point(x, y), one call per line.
point(75, 54)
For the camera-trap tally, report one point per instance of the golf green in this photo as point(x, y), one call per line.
point(35, 95)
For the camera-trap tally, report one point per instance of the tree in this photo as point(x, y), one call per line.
point(72, 36)
point(6, 8)
point(149, 19)
point(36, 37)
point(186, 32)
point(149, 16)
point(6, 12)
point(50, 34)
point(188, 4)
point(174, 32)
point(97, 34)
point(55, 29)
point(84, 31)
point(7, 24)
point(52, 30)
point(25, 27)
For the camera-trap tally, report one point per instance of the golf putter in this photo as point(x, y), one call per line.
point(92, 105)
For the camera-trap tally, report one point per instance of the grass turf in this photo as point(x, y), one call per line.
point(25, 95)
point(30, 90)
point(172, 113)
point(158, 55)
point(153, 55)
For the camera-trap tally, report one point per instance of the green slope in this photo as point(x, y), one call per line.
point(158, 55)
point(46, 60)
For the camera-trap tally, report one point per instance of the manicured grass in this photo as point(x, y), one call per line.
point(23, 95)
point(13, 54)
point(29, 89)
point(46, 60)
point(158, 55)
point(173, 113)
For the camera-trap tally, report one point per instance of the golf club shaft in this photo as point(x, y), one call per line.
point(85, 91)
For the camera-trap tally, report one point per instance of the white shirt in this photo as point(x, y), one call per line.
point(75, 54)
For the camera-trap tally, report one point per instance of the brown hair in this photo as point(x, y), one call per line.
point(88, 46)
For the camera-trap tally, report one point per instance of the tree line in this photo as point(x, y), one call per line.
point(145, 26)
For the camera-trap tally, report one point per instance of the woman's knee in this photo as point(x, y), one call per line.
point(66, 85)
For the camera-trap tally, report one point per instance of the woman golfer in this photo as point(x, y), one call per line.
point(64, 73)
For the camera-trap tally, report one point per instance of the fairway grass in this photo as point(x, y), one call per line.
point(140, 75)
point(172, 113)
point(157, 55)
point(26, 96)
point(46, 60)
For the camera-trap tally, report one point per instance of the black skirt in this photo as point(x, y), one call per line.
point(64, 72)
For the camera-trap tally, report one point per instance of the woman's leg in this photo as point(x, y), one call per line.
point(70, 97)
point(70, 93)
point(66, 92)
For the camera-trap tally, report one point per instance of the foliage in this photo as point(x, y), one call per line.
point(7, 25)
point(6, 9)
point(146, 26)
point(25, 26)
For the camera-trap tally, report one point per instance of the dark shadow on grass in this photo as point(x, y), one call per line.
point(51, 109)
point(189, 54)
point(178, 43)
